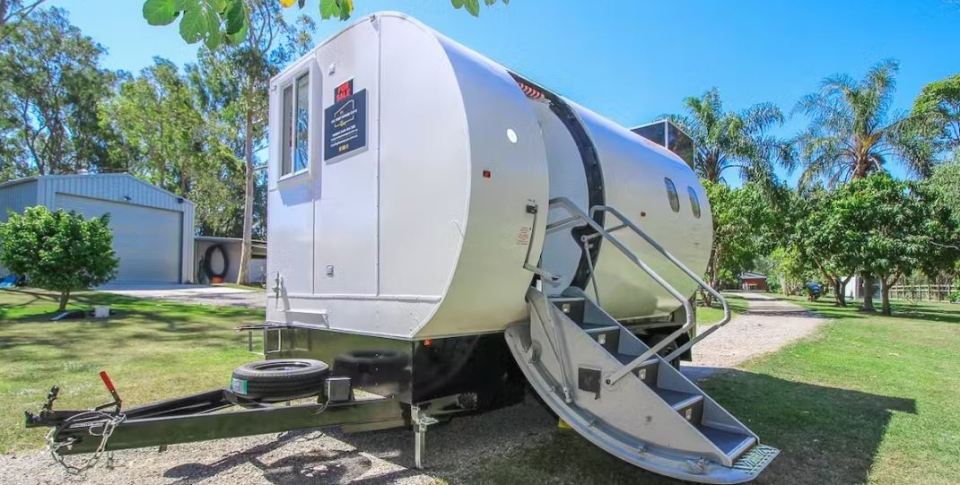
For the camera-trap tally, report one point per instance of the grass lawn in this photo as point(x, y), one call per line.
point(707, 316)
point(151, 349)
point(870, 399)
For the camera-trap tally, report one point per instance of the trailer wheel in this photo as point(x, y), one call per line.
point(656, 338)
point(280, 379)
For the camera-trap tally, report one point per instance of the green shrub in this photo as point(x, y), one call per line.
point(59, 251)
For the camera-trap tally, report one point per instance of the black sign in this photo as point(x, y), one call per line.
point(345, 125)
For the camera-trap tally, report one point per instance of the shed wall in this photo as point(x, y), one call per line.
point(124, 188)
point(17, 197)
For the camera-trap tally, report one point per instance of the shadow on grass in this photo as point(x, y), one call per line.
point(828, 435)
point(928, 311)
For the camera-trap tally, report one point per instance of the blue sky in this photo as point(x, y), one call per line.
point(632, 60)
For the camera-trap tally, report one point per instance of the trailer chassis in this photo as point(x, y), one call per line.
point(203, 416)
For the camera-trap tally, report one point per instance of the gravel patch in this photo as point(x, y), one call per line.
point(768, 325)
point(455, 450)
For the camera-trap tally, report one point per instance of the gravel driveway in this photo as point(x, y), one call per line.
point(194, 294)
point(454, 450)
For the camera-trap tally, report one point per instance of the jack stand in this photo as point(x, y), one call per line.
point(420, 424)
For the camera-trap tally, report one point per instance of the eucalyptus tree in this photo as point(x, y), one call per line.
point(732, 141)
point(233, 82)
point(52, 85)
point(13, 12)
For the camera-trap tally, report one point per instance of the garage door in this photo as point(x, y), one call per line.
point(147, 240)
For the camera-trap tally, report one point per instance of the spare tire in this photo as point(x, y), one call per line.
point(279, 379)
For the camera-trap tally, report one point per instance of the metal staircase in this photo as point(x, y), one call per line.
point(621, 394)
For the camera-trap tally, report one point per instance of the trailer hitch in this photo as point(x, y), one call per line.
point(96, 422)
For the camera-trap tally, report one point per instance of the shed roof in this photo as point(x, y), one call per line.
point(747, 275)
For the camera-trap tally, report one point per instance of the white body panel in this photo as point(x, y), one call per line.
point(423, 230)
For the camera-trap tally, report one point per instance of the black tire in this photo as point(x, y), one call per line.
point(656, 338)
point(279, 379)
point(208, 257)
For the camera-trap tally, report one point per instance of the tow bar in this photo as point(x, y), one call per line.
point(194, 418)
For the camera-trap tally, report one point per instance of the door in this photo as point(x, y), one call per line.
point(147, 240)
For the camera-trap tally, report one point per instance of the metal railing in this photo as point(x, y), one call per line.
point(578, 217)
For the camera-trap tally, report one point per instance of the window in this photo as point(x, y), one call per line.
point(694, 202)
point(672, 195)
point(287, 142)
point(295, 149)
point(301, 156)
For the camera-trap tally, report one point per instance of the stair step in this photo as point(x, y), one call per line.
point(565, 299)
point(731, 444)
point(676, 399)
point(592, 329)
point(688, 405)
point(647, 371)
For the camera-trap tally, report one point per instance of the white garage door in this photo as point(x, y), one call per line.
point(147, 240)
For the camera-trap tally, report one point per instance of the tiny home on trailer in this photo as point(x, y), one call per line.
point(445, 232)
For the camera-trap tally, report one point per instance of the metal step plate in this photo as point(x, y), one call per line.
point(756, 459)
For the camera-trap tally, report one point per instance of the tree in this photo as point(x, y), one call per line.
point(742, 219)
point(170, 140)
point(234, 81)
point(220, 22)
point(823, 240)
point(728, 140)
point(851, 132)
point(889, 218)
point(14, 11)
point(51, 84)
point(58, 251)
point(937, 111)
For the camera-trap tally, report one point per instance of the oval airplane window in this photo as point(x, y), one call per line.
point(694, 202)
point(672, 194)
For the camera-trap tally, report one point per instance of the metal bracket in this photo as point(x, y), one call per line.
point(421, 422)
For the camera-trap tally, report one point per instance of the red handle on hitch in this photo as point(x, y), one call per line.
point(107, 382)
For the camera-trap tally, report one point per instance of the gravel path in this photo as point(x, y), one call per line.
point(454, 449)
point(768, 325)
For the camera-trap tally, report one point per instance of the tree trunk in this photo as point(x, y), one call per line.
point(885, 293)
point(247, 245)
point(64, 298)
point(867, 282)
point(838, 292)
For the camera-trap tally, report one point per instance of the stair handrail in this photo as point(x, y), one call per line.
point(578, 214)
point(626, 222)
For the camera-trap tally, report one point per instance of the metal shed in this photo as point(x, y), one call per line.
point(152, 228)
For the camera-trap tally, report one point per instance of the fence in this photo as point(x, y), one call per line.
point(922, 292)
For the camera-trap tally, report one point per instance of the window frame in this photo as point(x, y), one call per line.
point(291, 82)
point(694, 202)
point(673, 196)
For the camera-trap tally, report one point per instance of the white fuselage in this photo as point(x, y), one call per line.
point(402, 165)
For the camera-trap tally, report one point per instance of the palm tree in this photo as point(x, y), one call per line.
point(732, 140)
point(852, 132)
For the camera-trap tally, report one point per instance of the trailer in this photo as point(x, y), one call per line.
point(445, 233)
